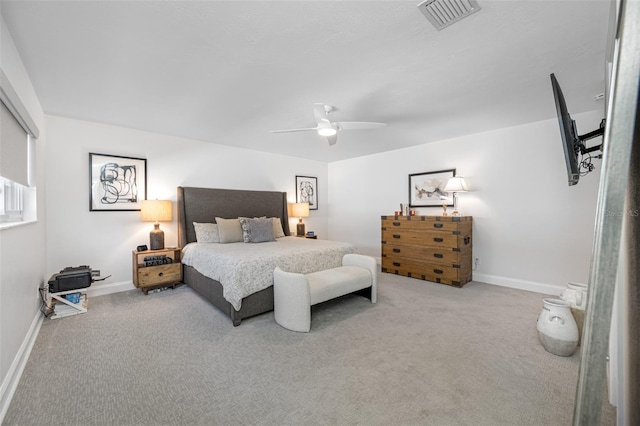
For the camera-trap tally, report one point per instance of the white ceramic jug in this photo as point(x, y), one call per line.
point(557, 329)
point(576, 295)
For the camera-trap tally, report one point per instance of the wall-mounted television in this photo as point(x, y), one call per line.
point(573, 144)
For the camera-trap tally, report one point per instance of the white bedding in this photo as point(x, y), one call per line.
point(244, 268)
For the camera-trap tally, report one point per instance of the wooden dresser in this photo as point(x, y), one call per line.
point(432, 248)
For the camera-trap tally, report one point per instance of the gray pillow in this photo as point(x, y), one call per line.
point(229, 230)
point(258, 230)
point(206, 232)
point(244, 224)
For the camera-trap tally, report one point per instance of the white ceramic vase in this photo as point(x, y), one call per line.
point(576, 295)
point(557, 329)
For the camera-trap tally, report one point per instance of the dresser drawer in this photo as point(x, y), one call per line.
point(411, 223)
point(445, 255)
point(424, 271)
point(161, 274)
point(426, 238)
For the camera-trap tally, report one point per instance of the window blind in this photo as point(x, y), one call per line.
point(14, 148)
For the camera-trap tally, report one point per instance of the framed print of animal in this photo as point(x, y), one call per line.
point(307, 191)
point(426, 189)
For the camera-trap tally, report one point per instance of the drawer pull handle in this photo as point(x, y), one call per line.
point(396, 264)
point(161, 274)
point(396, 236)
point(438, 255)
point(438, 271)
point(396, 223)
point(438, 240)
point(438, 225)
point(396, 250)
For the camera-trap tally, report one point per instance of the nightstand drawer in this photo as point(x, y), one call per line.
point(161, 274)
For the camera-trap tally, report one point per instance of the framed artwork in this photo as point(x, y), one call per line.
point(116, 183)
point(307, 191)
point(425, 189)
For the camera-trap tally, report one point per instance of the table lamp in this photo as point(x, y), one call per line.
point(300, 210)
point(156, 211)
point(455, 184)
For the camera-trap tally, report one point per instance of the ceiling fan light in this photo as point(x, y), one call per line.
point(327, 131)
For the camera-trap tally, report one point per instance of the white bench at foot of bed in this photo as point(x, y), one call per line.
point(294, 294)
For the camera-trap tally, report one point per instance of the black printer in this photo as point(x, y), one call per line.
point(72, 278)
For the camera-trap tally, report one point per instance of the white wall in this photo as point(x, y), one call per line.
point(104, 240)
point(531, 230)
point(22, 249)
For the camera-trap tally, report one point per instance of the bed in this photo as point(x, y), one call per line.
point(216, 284)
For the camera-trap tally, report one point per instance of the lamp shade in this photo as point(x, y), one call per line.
point(455, 184)
point(299, 209)
point(155, 210)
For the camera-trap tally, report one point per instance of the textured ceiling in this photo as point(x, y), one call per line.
point(227, 72)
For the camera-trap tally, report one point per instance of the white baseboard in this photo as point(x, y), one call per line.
point(102, 289)
point(11, 380)
point(533, 286)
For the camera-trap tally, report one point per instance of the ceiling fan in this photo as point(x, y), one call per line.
point(330, 129)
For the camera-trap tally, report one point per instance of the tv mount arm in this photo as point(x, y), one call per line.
point(591, 135)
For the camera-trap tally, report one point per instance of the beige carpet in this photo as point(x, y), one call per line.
point(425, 354)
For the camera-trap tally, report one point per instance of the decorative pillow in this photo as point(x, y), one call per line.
point(230, 230)
point(245, 227)
point(258, 230)
point(278, 232)
point(206, 232)
point(244, 221)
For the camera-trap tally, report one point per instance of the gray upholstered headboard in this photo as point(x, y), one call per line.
point(204, 204)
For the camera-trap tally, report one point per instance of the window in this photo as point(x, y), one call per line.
point(11, 201)
point(17, 148)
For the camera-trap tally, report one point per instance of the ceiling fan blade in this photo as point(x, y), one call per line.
point(358, 125)
point(321, 112)
point(330, 129)
point(293, 130)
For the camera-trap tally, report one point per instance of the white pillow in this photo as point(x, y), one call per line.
point(278, 232)
point(206, 232)
point(230, 230)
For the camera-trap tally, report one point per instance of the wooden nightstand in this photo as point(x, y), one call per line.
point(157, 268)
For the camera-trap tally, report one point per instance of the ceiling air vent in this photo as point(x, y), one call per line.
point(442, 13)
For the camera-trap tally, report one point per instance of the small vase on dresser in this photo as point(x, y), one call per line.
point(557, 329)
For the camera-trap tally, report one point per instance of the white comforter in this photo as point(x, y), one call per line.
point(245, 268)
